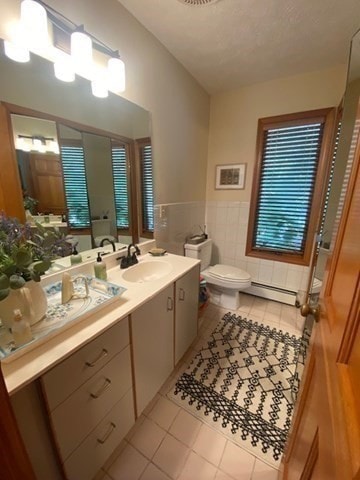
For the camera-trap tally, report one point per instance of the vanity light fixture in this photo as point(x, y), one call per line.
point(33, 36)
point(37, 143)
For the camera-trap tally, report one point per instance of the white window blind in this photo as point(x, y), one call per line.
point(119, 163)
point(73, 165)
point(147, 189)
point(288, 170)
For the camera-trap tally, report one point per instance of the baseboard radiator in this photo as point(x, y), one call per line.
point(272, 293)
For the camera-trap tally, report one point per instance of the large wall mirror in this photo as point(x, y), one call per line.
point(348, 128)
point(79, 158)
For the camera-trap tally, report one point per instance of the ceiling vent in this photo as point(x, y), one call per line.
point(196, 3)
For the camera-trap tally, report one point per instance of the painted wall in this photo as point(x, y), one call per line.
point(155, 81)
point(234, 116)
point(233, 129)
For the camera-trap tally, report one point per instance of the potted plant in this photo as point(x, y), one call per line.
point(25, 254)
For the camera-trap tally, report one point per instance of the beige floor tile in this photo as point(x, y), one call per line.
point(128, 466)
point(164, 412)
point(185, 428)
point(260, 304)
point(171, 456)
point(222, 476)
point(262, 471)
point(147, 438)
point(135, 427)
point(210, 444)
point(197, 468)
point(236, 462)
point(150, 405)
point(153, 473)
point(273, 307)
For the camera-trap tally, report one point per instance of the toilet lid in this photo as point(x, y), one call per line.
point(231, 274)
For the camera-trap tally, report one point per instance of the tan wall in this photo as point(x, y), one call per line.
point(234, 116)
point(156, 81)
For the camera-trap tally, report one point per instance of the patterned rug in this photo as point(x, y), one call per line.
point(244, 382)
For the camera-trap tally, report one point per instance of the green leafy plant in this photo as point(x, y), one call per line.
point(26, 253)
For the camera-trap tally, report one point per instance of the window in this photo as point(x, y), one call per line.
point(119, 164)
point(286, 195)
point(73, 165)
point(146, 187)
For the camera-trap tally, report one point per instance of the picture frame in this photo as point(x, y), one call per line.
point(230, 176)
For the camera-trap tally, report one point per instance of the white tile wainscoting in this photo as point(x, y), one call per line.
point(227, 224)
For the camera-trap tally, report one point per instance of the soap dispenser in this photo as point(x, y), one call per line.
point(75, 257)
point(100, 268)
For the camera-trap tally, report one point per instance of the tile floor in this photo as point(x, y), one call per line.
point(167, 442)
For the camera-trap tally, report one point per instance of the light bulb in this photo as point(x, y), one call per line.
point(34, 25)
point(54, 147)
point(99, 88)
point(116, 75)
point(81, 53)
point(63, 67)
point(16, 51)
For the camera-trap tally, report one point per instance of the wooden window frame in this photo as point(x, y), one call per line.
point(325, 116)
point(139, 144)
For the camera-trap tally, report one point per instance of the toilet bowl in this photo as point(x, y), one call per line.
point(223, 281)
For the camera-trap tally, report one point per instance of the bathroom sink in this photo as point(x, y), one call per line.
point(147, 271)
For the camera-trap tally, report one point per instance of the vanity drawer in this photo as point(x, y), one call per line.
point(97, 447)
point(66, 377)
point(86, 407)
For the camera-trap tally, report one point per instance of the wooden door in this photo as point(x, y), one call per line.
point(325, 438)
point(48, 183)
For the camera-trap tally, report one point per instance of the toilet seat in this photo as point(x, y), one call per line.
point(227, 277)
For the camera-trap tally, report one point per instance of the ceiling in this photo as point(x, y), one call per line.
point(232, 43)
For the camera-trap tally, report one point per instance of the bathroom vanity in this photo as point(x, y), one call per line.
point(77, 395)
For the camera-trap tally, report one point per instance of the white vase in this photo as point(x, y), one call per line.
point(30, 300)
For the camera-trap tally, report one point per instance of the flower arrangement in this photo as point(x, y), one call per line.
point(26, 253)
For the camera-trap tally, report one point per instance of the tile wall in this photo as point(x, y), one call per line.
point(226, 224)
point(174, 222)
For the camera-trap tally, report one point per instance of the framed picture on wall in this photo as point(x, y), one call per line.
point(230, 176)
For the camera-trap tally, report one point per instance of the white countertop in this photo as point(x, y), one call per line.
point(22, 370)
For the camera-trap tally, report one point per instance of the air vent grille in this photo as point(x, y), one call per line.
point(196, 3)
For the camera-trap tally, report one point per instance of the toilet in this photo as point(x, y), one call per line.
point(101, 229)
point(223, 281)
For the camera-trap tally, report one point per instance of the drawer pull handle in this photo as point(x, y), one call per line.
point(101, 390)
point(107, 434)
point(101, 355)
point(170, 305)
point(181, 294)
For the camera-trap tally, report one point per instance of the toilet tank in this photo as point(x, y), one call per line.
point(201, 251)
point(101, 227)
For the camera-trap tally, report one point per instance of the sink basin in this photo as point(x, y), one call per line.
point(147, 271)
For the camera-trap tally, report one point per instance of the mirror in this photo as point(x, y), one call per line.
point(349, 125)
point(69, 111)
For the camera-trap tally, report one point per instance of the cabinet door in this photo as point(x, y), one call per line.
point(153, 345)
point(186, 311)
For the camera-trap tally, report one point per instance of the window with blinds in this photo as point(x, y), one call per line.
point(119, 164)
point(73, 165)
point(284, 186)
point(147, 193)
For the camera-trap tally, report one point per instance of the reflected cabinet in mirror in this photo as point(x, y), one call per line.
point(72, 160)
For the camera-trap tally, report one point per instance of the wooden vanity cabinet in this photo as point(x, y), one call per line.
point(152, 331)
point(90, 404)
point(162, 330)
point(186, 311)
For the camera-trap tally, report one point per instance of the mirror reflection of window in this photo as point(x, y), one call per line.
point(120, 178)
point(74, 173)
point(146, 187)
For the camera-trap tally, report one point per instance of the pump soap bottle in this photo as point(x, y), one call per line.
point(20, 329)
point(100, 268)
point(75, 258)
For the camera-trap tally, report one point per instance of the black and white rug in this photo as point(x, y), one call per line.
point(244, 382)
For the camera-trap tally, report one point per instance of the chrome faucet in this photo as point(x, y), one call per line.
point(107, 240)
point(130, 259)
